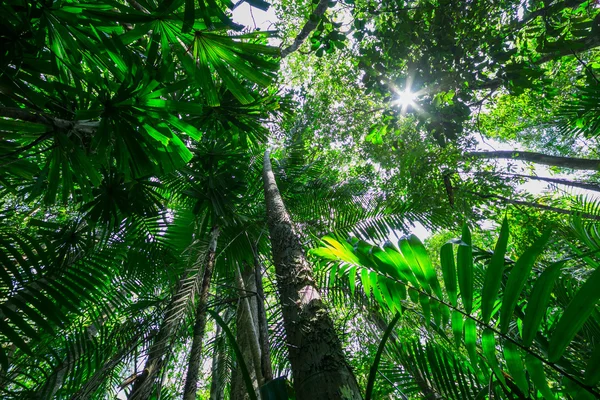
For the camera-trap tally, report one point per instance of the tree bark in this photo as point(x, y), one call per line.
point(263, 326)
point(310, 25)
point(247, 285)
point(247, 335)
point(191, 379)
point(539, 158)
point(318, 364)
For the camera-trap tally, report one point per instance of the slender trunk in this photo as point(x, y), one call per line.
point(536, 205)
point(143, 384)
point(263, 326)
point(539, 158)
point(247, 339)
point(315, 352)
point(216, 383)
point(567, 182)
point(247, 285)
point(191, 379)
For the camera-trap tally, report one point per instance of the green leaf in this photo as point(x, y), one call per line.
point(471, 341)
point(415, 267)
point(536, 371)
point(424, 301)
point(538, 302)
point(577, 312)
point(465, 269)
point(488, 344)
point(592, 369)
point(364, 277)
point(517, 279)
point(515, 366)
point(352, 279)
point(422, 258)
point(493, 274)
point(457, 327)
point(449, 272)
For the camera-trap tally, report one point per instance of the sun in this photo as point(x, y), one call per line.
point(404, 98)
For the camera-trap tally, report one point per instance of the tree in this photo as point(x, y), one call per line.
point(315, 354)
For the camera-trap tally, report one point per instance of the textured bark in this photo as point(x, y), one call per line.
point(310, 25)
point(144, 382)
point(246, 286)
point(263, 326)
point(539, 158)
point(238, 390)
point(318, 365)
point(191, 379)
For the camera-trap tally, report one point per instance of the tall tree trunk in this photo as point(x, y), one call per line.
point(539, 158)
point(191, 378)
point(318, 364)
point(263, 326)
point(143, 384)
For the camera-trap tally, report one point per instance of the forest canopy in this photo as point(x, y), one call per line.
point(331, 199)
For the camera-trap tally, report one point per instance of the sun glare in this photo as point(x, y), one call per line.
point(405, 98)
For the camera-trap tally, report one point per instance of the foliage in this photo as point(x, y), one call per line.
point(478, 312)
point(129, 129)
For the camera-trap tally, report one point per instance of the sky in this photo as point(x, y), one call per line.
point(254, 17)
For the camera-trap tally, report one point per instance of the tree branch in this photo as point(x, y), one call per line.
point(310, 25)
point(539, 158)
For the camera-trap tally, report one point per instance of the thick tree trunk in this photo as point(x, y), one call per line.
point(539, 158)
point(143, 385)
point(191, 379)
point(263, 326)
point(318, 365)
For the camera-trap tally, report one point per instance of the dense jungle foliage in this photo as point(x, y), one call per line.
point(344, 199)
